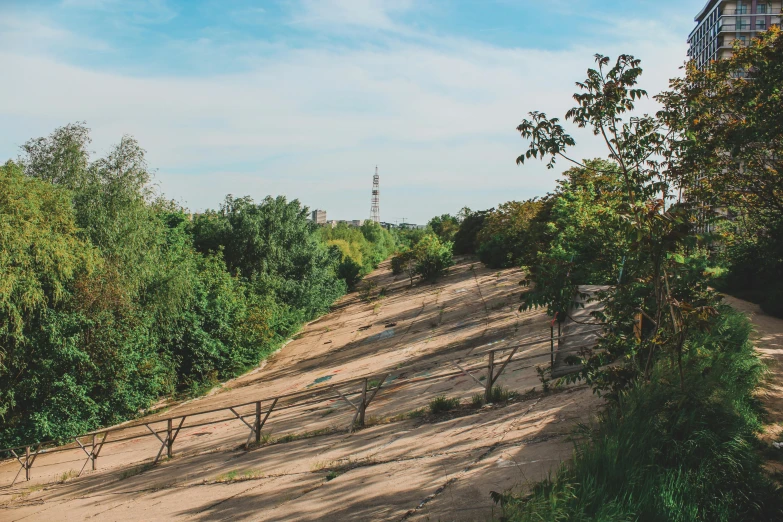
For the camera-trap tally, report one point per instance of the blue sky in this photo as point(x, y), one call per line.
point(304, 97)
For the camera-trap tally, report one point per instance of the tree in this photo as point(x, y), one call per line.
point(432, 257)
point(444, 226)
point(513, 233)
point(734, 141)
point(663, 273)
point(470, 224)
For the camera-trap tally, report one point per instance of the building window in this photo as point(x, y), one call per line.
point(763, 9)
point(743, 24)
point(761, 24)
point(741, 8)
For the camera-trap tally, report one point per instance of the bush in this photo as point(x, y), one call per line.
point(441, 404)
point(669, 454)
point(400, 262)
point(433, 258)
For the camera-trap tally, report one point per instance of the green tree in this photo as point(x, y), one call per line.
point(432, 257)
point(664, 272)
point(444, 226)
point(470, 225)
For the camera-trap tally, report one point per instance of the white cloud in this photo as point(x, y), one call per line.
point(313, 123)
point(336, 14)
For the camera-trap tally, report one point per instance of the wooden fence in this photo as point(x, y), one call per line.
point(255, 414)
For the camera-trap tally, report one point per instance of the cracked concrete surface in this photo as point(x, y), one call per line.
point(423, 468)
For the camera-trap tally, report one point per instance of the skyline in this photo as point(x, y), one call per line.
point(303, 98)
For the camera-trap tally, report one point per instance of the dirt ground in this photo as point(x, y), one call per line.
point(403, 466)
point(769, 342)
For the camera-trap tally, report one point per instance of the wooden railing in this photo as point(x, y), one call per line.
point(255, 414)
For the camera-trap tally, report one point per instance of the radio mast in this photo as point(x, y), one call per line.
point(375, 208)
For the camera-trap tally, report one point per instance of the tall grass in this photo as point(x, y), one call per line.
point(668, 454)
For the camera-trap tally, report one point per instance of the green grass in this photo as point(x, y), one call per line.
point(238, 476)
point(501, 395)
point(441, 404)
point(667, 454)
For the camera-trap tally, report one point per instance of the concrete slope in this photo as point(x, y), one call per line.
point(404, 465)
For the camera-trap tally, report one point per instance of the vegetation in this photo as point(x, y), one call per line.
point(676, 441)
point(361, 248)
point(665, 453)
point(733, 160)
point(442, 404)
point(111, 296)
point(429, 258)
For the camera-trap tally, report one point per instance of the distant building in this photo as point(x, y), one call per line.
point(319, 217)
point(356, 222)
point(721, 22)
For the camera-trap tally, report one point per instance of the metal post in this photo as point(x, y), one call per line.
point(92, 451)
point(552, 346)
point(258, 422)
point(169, 440)
point(27, 463)
point(363, 404)
point(490, 372)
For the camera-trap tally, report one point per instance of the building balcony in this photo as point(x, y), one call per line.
point(735, 12)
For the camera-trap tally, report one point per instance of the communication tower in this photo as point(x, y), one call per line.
point(375, 208)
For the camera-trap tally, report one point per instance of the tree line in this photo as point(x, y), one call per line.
point(112, 296)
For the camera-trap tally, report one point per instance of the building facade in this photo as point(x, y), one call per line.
point(721, 22)
point(319, 217)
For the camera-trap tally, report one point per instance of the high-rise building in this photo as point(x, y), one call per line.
point(319, 217)
point(721, 22)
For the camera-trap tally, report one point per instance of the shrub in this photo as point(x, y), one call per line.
point(669, 454)
point(433, 258)
point(401, 262)
point(441, 404)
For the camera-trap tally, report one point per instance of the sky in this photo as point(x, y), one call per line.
point(303, 98)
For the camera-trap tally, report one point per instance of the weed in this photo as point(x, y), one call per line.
point(237, 476)
point(545, 376)
point(365, 292)
point(328, 412)
point(500, 395)
point(332, 475)
point(68, 475)
point(477, 401)
point(376, 309)
point(441, 404)
point(227, 477)
point(415, 414)
point(373, 383)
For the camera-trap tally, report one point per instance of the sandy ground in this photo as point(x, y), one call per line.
point(769, 342)
point(398, 468)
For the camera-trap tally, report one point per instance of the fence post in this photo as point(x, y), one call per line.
point(92, 452)
point(258, 422)
point(169, 442)
point(490, 371)
point(363, 404)
point(552, 346)
point(27, 463)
